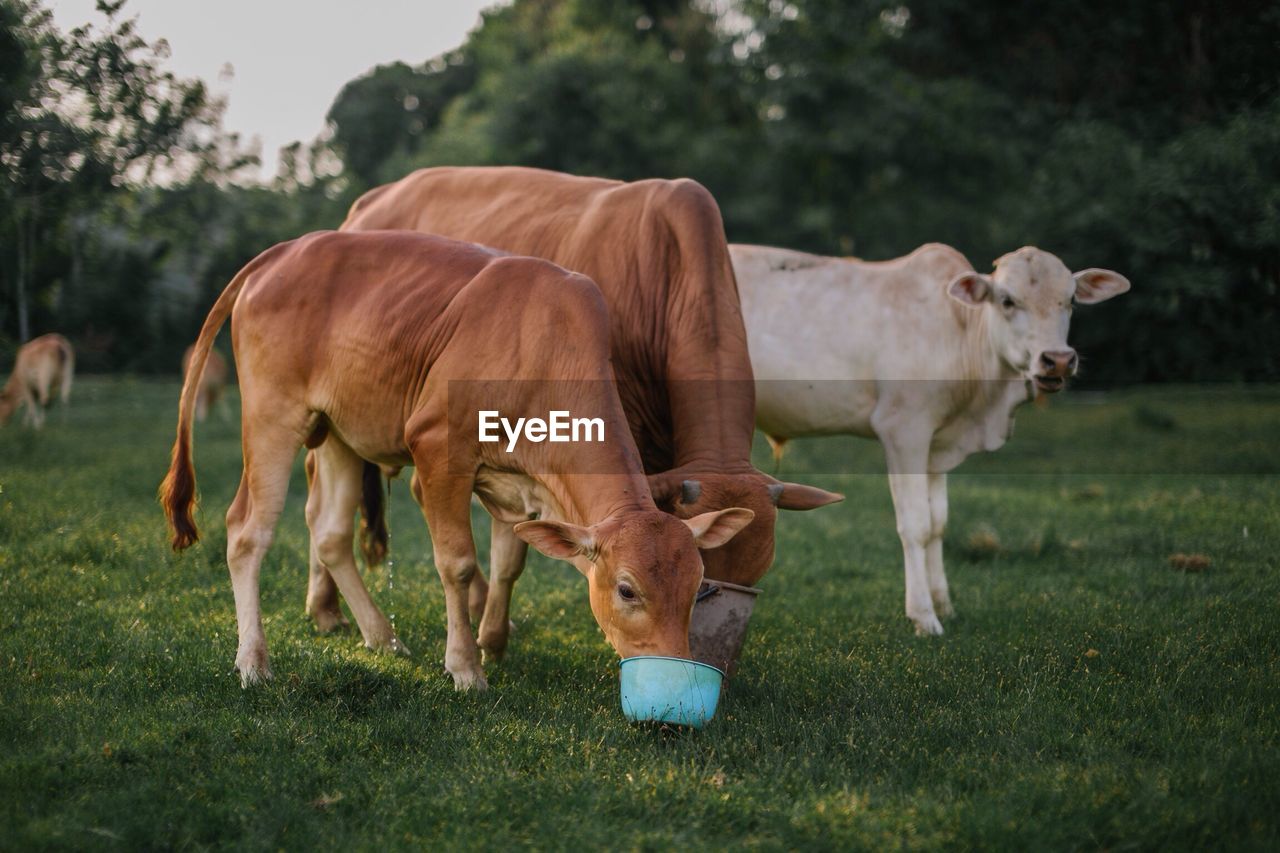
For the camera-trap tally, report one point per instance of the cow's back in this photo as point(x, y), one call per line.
point(376, 304)
point(42, 360)
point(827, 334)
point(657, 251)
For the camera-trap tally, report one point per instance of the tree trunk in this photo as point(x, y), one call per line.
point(24, 264)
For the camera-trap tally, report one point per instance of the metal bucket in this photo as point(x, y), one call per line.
point(719, 625)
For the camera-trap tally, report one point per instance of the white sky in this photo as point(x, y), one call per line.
point(291, 57)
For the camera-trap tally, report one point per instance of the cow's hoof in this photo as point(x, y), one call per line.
point(389, 645)
point(330, 621)
point(253, 668)
point(474, 680)
point(493, 644)
point(927, 626)
point(492, 650)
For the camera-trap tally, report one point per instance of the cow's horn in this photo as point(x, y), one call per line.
point(690, 491)
point(775, 492)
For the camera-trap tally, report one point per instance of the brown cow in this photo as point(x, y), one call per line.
point(657, 250)
point(42, 363)
point(213, 382)
point(379, 346)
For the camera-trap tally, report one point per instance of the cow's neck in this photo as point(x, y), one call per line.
point(591, 481)
point(711, 389)
point(587, 499)
point(709, 433)
point(993, 390)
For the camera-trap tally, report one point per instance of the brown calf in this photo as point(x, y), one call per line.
point(42, 364)
point(382, 347)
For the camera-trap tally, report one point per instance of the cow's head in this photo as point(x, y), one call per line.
point(1028, 300)
point(687, 493)
point(643, 569)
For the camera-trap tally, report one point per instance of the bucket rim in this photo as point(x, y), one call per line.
point(665, 657)
point(733, 587)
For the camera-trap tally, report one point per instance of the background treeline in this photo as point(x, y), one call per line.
point(1141, 135)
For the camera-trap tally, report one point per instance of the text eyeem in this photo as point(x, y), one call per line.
point(559, 426)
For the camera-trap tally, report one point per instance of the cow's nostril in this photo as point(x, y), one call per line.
point(1073, 362)
point(1059, 362)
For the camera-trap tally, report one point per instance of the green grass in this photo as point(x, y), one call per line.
point(1087, 695)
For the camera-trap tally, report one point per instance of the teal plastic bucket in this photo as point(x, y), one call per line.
point(669, 690)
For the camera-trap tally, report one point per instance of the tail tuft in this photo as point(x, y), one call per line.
point(178, 490)
point(178, 496)
point(778, 446)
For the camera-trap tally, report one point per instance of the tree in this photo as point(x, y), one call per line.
point(90, 115)
point(389, 110)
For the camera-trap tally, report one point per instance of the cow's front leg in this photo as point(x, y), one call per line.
point(933, 551)
point(446, 504)
point(907, 457)
point(478, 591)
point(507, 558)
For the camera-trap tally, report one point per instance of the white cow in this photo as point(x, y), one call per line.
point(921, 352)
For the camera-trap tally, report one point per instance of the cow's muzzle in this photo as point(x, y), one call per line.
point(1056, 366)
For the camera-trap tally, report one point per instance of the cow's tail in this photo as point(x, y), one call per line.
point(373, 526)
point(68, 357)
point(178, 491)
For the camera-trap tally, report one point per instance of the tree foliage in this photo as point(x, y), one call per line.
point(1130, 134)
point(91, 119)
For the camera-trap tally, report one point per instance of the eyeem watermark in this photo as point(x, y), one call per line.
point(559, 427)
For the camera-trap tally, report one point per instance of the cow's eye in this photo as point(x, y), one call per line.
point(1007, 303)
point(626, 592)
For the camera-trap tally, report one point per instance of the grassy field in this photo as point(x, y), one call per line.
point(1088, 695)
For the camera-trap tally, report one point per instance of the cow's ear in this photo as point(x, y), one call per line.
point(559, 540)
point(798, 496)
point(1095, 285)
point(713, 529)
point(970, 288)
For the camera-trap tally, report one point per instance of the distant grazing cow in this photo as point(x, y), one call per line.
point(42, 364)
point(384, 346)
point(657, 250)
point(213, 382)
point(921, 352)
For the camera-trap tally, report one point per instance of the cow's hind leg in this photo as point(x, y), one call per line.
point(322, 593)
point(269, 450)
point(477, 596)
point(506, 559)
point(332, 522)
point(938, 590)
point(34, 415)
